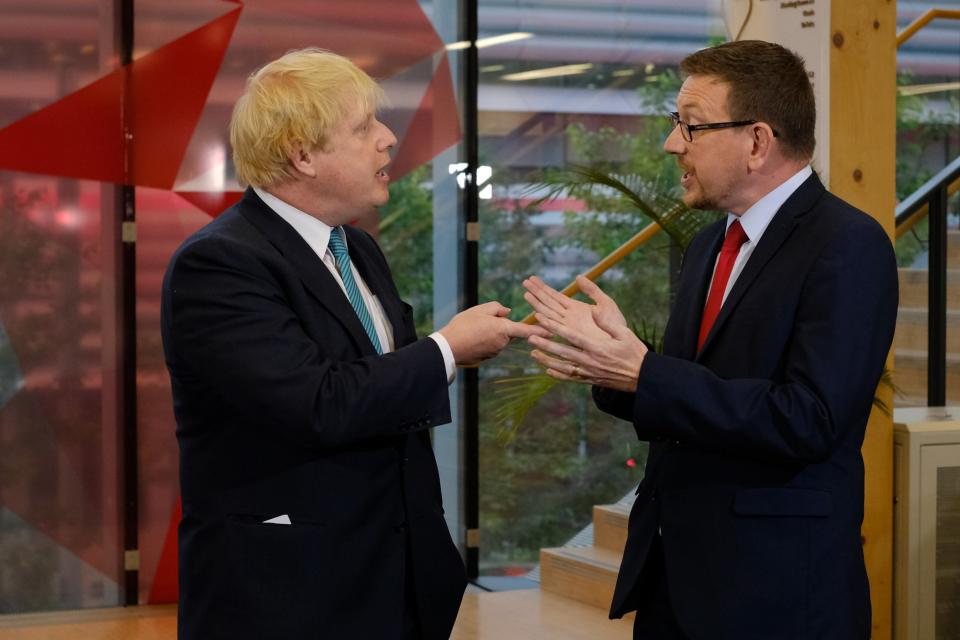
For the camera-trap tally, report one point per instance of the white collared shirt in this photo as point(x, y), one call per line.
point(756, 219)
point(317, 235)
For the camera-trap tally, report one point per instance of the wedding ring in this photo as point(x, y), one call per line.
point(576, 371)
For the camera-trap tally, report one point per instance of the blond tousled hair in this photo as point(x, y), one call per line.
point(299, 97)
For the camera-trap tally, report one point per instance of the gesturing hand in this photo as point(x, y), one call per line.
point(601, 349)
point(483, 331)
point(549, 303)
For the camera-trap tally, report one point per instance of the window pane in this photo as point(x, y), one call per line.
point(580, 84)
point(59, 514)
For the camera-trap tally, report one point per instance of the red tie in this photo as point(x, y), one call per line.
point(728, 255)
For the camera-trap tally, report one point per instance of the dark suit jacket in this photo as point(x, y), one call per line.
point(284, 407)
point(755, 476)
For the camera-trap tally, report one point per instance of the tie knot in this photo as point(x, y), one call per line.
point(735, 237)
point(337, 246)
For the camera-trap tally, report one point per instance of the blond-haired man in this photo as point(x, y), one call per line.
point(302, 395)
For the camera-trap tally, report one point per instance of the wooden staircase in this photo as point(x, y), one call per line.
point(588, 573)
point(910, 342)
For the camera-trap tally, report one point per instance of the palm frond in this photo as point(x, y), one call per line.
point(516, 397)
point(886, 380)
point(678, 220)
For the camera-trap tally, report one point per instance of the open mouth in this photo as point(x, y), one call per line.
point(382, 173)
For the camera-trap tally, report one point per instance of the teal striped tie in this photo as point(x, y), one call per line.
point(338, 247)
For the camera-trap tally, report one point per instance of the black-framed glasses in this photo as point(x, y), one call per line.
point(686, 130)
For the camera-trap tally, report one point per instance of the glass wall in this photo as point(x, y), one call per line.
point(928, 139)
point(60, 541)
point(68, 111)
point(566, 84)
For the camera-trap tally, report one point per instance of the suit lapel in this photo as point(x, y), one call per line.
point(308, 266)
point(777, 232)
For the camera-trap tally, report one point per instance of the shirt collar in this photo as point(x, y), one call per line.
point(756, 219)
point(315, 232)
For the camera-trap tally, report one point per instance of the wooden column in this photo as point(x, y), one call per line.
point(862, 172)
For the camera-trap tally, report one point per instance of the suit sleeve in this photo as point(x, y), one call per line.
point(229, 331)
point(833, 360)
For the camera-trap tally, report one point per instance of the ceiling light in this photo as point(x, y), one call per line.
point(491, 41)
point(549, 72)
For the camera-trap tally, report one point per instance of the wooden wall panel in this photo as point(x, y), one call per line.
point(862, 172)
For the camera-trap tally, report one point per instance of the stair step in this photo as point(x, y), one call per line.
point(913, 287)
point(585, 574)
point(912, 330)
point(610, 526)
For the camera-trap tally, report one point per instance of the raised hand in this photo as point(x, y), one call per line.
point(600, 349)
point(550, 304)
point(483, 331)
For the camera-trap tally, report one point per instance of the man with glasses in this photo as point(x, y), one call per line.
point(747, 521)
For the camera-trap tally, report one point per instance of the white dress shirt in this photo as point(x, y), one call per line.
point(317, 235)
point(756, 219)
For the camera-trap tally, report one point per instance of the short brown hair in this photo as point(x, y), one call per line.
point(768, 83)
point(299, 97)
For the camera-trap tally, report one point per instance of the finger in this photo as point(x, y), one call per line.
point(521, 330)
point(555, 296)
point(542, 304)
point(561, 330)
point(609, 314)
point(492, 308)
point(546, 293)
point(557, 349)
point(551, 362)
point(610, 325)
point(592, 290)
point(540, 307)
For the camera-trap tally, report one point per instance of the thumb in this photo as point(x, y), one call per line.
point(590, 289)
point(604, 321)
point(520, 330)
point(493, 308)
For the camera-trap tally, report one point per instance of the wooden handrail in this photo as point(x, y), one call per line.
point(922, 212)
point(931, 14)
point(615, 256)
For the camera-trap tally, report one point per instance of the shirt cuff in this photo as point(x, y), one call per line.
point(448, 361)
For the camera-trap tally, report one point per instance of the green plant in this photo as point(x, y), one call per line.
point(631, 193)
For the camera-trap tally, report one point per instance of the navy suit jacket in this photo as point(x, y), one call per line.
point(284, 407)
point(755, 476)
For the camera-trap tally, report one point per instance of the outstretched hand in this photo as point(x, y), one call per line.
point(601, 349)
point(550, 304)
point(483, 331)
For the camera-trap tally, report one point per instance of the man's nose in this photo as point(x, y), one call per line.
point(388, 140)
point(674, 142)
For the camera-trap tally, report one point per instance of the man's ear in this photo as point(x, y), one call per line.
point(762, 140)
point(301, 160)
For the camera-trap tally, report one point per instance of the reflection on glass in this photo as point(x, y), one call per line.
point(59, 530)
point(588, 88)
